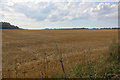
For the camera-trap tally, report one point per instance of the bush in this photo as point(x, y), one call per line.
point(57, 75)
point(113, 51)
point(78, 70)
point(110, 70)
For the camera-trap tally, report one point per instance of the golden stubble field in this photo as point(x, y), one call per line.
point(24, 50)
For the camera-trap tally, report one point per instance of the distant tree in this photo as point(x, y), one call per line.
point(6, 25)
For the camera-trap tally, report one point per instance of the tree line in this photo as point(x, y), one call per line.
point(6, 25)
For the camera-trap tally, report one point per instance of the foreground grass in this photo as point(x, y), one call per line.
point(26, 53)
point(106, 67)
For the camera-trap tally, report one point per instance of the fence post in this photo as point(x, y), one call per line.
point(8, 73)
point(61, 60)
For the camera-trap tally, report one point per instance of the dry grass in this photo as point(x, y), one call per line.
point(26, 48)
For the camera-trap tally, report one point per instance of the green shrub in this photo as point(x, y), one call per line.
point(84, 71)
point(113, 51)
point(78, 70)
point(57, 75)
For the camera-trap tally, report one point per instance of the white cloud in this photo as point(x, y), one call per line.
point(37, 1)
point(104, 11)
point(66, 11)
point(29, 11)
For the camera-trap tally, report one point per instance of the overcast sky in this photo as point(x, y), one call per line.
point(55, 14)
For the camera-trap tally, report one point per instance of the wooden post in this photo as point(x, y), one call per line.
point(45, 65)
point(16, 69)
point(61, 60)
point(8, 73)
point(24, 74)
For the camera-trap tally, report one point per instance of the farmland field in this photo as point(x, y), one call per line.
point(36, 53)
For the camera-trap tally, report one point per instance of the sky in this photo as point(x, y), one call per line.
point(40, 14)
